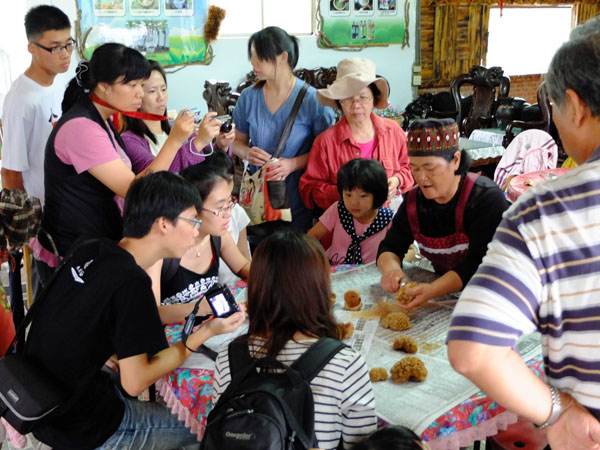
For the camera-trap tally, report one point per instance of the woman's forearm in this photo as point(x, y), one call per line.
point(240, 149)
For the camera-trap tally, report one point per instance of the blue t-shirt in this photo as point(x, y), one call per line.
point(251, 116)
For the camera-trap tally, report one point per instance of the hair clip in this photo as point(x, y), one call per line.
point(81, 68)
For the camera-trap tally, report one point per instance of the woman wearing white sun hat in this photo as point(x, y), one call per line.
point(359, 134)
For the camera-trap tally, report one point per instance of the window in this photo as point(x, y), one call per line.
point(523, 40)
point(244, 17)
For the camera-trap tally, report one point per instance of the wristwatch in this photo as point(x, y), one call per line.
point(557, 407)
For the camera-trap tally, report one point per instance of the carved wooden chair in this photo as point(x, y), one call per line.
point(219, 97)
point(545, 122)
point(489, 85)
point(319, 78)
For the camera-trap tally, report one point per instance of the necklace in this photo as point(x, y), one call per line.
point(286, 95)
point(200, 248)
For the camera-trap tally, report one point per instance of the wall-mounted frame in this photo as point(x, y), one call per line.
point(168, 31)
point(355, 24)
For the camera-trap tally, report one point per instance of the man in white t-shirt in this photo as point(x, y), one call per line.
point(33, 103)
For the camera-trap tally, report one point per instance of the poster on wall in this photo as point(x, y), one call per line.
point(360, 23)
point(168, 31)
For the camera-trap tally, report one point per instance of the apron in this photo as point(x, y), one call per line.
point(446, 252)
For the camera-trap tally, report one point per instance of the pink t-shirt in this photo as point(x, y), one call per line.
point(342, 240)
point(84, 144)
point(367, 149)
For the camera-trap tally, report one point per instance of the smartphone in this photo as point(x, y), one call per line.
point(221, 301)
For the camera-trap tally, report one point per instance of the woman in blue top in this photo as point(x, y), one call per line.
point(262, 111)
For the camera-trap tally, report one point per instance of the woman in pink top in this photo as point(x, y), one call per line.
point(359, 221)
point(359, 134)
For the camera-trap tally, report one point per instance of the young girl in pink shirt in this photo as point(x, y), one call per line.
point(359, 221)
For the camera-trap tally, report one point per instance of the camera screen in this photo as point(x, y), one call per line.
point(220, 305)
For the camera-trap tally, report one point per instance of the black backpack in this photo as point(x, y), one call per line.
point(266, 410)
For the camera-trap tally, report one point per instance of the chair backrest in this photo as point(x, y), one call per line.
point(219, 96)
point(488, 86)
point(319, 78)
point(530, 151)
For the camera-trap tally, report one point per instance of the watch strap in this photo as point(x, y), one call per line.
point(556, 411)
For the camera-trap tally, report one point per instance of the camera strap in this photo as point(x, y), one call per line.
point(190, 322)
point(135, 114)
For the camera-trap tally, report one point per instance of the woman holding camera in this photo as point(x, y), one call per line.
point(289, 309)
point(262, 111)
point(87, 173)
point(144, 138)
point(178, 283)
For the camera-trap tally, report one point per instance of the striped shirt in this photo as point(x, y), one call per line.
point(541, 273)
point(342, 391)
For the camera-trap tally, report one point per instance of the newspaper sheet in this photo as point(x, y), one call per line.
point(413, 404)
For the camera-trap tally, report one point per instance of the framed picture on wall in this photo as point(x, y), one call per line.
point(361, 23)
point(168, 31)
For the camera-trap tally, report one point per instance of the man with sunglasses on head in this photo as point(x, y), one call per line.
point(33, 103)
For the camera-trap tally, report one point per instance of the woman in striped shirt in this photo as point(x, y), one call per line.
point(289, 307)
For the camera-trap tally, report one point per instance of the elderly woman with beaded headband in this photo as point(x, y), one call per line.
point(359, 134)
point(451, 214)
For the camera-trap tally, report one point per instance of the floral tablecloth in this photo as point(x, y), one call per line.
point(188, 392)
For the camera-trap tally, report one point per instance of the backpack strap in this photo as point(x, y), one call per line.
point(312, 361)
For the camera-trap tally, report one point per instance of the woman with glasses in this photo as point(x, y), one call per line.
point(145, 138)
point(179, 283)
point(87, 173)
point(359, 134)
point(262, 111)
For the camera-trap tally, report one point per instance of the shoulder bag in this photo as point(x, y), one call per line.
point(267, 200)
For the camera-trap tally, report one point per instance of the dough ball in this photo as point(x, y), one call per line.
point(409, 367)
point(397, 321)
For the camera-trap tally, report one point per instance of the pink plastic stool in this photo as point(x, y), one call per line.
point(518, 436)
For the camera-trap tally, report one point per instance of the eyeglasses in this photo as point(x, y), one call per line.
point(195, 222)
point(222, 210)
point(59, 48)
point(362, 99)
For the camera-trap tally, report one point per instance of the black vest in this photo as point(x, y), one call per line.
point(77, 205)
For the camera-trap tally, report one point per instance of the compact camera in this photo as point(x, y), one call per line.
point(226, 125)
point(221, 301)
point(197, 115)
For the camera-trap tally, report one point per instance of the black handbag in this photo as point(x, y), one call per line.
point(28, 393)
point(277, 190)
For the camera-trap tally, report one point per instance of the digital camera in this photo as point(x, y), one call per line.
point(226, 125)
point(221, 301)
point(197, 115)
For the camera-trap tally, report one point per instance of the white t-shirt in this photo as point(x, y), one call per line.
point(239, 220)
point(160, 141)
point(28, 115)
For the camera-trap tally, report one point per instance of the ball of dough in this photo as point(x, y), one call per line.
point(333, 297)
point(407, 368)
point(378, 374)
point(402, 297)
point(397, 321)
point(352, 300)
point(407, 344)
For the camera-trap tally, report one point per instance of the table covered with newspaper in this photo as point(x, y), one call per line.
point(413, 404)
point(446, 409)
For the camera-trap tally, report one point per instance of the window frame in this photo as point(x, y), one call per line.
point(313, 22)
